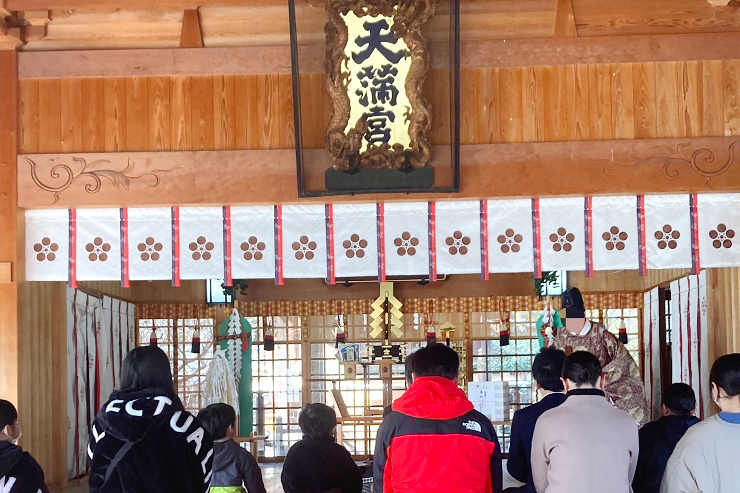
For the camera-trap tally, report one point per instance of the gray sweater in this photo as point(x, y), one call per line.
point(705, 460)
point(585, 445)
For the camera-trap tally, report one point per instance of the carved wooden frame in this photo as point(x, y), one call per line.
point(408, 19)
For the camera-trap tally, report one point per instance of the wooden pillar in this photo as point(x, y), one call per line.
point(10, 269)
point(723, 299)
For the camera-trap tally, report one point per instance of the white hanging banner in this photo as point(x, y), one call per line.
point(510, 242)
point(252, 242)
point(458, 237)
point(355, 240)
point(705, 396)
point(668, 231)
point(47, 245)
point(150, 244)
point(406, 233)
point(304, 241)
point(689, 337)
point(98, 244)
point(417, 238)
point(201, 243)
point(615, 239)
point(563, 234)
point(719, 225)
point(651, 352)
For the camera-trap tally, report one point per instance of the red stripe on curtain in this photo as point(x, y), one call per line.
point(380, 216)
point(484, 274)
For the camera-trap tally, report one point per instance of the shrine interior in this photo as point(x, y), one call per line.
point(246, 184)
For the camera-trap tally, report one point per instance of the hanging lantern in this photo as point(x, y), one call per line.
point(153, 337)
point(339, 333)
point(195, 347)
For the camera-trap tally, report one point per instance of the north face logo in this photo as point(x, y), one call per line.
point(473, 426)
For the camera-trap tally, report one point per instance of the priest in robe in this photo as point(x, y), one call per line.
point(624, 387)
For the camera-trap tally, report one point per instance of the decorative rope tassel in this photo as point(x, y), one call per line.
point(339, 331)
point(269, 339)
point(196, 341)
point(623, 332)
point(622, 326)
point(431, 335)
point(429, 322)
point(504, 335)
point(153, 338)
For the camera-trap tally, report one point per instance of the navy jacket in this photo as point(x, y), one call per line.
point(657, 441)
point(522, 429)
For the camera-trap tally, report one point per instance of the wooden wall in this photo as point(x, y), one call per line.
point(723, 296)
point(624, 280)
point(42, 393)
point(498, 105)
point(11, 243)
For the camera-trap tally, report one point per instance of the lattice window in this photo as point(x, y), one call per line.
point(174, 337)
point(277, 384)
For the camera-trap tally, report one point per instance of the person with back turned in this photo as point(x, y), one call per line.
point(19, 472)
point(705, 460)
point(434, 440)
point(585, 445)
point(546, 370)
point(658, 439)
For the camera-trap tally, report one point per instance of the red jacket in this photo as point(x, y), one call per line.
point(434, 441)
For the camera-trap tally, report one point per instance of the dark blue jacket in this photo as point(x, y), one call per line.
point(657, 441)
point(520, 448)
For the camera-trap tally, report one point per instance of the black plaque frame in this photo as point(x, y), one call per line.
point(305, 191)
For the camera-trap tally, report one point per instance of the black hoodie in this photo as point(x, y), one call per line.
point(19, 472)
point(153, 444)
point(657, 441)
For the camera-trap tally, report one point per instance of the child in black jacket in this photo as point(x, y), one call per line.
point(233, 466)
point(19, 472)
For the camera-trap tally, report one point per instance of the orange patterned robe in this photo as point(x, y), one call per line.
point(624, 385)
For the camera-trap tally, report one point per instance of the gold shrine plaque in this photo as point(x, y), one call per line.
point(377, 61)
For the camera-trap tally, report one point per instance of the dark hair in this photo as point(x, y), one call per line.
point(726, 374)
point(680, 399)
point(582, 368)
point(8, 414)
point(547, 368)
point(408, 368)
point(216, 419)
point(436, 360)
point(147, 367)
point(317, 420)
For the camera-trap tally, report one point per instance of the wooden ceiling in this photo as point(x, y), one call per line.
point(103, 24)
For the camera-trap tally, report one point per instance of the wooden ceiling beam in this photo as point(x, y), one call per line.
point(21, 5)
point(487, 170)
point(474, 54)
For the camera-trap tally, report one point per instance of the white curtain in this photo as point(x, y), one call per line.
point(99, 334)
point(690, 357)
point(651, 347)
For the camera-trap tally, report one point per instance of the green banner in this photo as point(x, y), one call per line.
point(233, 346)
